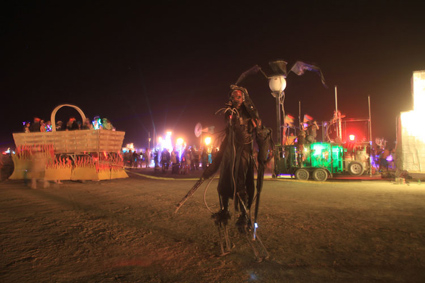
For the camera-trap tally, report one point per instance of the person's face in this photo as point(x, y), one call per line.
point(236, 98)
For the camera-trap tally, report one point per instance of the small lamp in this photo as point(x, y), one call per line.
point(277, 84)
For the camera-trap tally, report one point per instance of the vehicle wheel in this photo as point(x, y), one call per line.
point(302, 174)
point(355, 168)
point(320, 175)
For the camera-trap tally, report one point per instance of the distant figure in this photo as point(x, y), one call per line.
point(107, 125)
point(175, 162)
point(188, 159)
point(204, 159)
point(87, 125)
point(27, 127)
point(165, 160)
point(383, 162)
point(213, 155)
point(147, 157)
point(59, 126)
point(97, 123)
point(42, 126)
point(35, 126)
point(37, 169)
point(72, 124)
point(134, 159)
point(173, 158)
point(195, 158)
point(312, 128)
point(156, 159)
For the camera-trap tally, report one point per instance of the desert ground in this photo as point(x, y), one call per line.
point(125, 230)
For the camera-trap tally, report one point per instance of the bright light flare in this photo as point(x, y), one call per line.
point(412, 121)
point(208, 140)
point(419, 91)
point(411, 135)
point(412, 124)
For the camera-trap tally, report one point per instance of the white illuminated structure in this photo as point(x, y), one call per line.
point(410, 151)
point(277, 85)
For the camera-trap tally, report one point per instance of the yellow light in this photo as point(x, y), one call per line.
point(207, 140)
point(179, 141)
point(412, 121)
point(412, 124)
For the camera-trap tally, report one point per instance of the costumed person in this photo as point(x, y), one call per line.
point(235, 157)
point(107, 125)
point(97, 123)
point(72, 124)
point(235, 161)
point(312, 128)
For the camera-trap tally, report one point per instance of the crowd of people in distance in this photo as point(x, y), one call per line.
point(39, 125)
point(190, 159)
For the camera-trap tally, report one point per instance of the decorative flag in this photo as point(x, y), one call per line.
point(300, 67)
point(307, 118)
point(289, 120)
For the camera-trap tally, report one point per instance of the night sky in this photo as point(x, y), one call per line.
point(171, 65)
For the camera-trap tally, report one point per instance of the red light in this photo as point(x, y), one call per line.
point(352, 137)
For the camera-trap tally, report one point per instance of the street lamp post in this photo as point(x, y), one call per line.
point(277, 85)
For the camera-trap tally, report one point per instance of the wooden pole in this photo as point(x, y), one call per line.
point(370, 136)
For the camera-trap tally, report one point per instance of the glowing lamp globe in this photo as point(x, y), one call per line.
point(277, 84)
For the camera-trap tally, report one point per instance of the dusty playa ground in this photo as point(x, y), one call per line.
point(126, 231)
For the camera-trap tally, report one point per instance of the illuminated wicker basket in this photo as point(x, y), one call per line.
point(101, 149)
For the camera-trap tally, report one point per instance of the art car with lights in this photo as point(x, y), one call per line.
point(70, 155)
point(344, 149)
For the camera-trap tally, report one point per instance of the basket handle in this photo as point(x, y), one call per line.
point(53, 116)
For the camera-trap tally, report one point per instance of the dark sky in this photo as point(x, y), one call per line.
point(170, 65)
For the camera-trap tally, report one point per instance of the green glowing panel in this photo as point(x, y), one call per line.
point(324, 155)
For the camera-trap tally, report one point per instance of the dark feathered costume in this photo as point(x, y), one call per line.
point(235, 158)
